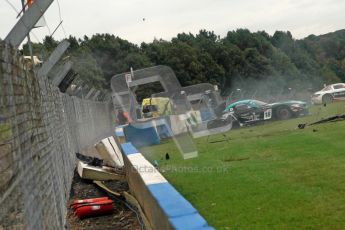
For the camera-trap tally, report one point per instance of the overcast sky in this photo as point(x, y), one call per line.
point(164, 19)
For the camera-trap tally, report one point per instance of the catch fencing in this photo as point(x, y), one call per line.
point(41, 129)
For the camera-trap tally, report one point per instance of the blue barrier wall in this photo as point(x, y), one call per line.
point(163, 205)
point(141, 136)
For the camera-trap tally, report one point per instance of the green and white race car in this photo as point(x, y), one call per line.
point(245, 112)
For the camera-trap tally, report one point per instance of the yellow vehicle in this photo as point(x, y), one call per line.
point(156, 107)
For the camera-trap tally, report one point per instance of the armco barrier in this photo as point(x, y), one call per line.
point(164, 207)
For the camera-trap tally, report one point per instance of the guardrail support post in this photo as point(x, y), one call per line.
point(53, 58)
point(27, 22)
point(61, 74)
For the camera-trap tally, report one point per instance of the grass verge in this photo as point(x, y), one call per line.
point(272, 176)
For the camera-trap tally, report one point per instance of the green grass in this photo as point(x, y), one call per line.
point(271, 176)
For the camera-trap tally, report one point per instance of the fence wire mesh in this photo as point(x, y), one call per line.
point(41, 129)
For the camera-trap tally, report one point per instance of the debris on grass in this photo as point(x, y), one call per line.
point(301, 126)
point(235, 159)
point(330, 119)
point(323, 120)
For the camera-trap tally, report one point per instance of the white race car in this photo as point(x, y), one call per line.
point(329, 94)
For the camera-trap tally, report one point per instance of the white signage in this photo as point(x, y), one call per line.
point(128, 77)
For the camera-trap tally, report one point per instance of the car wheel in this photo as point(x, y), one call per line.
point(283, 113)
point(327, 99)
point(235, 125)
point(217, 123)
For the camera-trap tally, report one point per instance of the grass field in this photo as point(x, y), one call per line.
point(271, 176)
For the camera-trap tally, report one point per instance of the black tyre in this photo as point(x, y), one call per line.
point(327, 99)
point(217, 123)
point(235, 125)
point(283, 113)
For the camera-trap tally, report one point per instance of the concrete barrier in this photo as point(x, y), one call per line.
point(164, 207)
point(110, 151)
point(119, 134)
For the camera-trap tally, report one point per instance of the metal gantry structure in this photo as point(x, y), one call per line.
point(63, 75)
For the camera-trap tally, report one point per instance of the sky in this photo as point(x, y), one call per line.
point(143, 20)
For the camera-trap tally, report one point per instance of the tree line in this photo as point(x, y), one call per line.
point(240, 59)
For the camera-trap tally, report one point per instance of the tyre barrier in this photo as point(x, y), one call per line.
point(163, 205)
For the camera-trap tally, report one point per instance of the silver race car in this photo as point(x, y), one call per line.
point(329, 94)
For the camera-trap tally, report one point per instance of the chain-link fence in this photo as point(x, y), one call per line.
point(40, 131)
